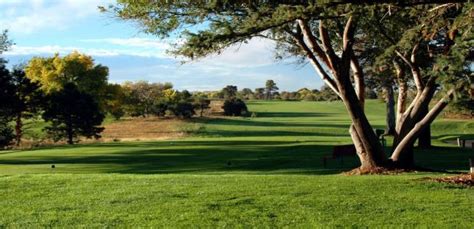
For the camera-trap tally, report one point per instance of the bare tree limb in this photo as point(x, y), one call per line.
point(414, 69)
point(299, 39)
point(313, 44)
point(411, 137)
point(329, 51)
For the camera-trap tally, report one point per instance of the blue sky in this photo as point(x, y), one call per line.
point(45, 27)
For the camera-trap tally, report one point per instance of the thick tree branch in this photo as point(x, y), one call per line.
point(415, 70)
point(328, 50)
point(402, 93)
point(359, 80)
point(314, 61)
point(313, 44)
point(411, 137)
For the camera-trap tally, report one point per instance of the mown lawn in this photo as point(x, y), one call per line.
point(235, 172)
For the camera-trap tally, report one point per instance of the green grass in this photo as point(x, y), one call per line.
point(235, 172)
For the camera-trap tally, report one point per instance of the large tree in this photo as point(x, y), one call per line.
point(7, 98)
point(270, 88)
point(53, 73)
point(27, 100)
point(327, 34)
point(72, 113)
point(5, 43)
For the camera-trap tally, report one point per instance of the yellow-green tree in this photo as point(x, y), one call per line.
point(52, 73)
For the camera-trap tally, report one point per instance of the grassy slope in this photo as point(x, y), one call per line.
point(238, 171)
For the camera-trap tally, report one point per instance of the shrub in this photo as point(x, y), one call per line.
point(183, 109)
point(234, 107)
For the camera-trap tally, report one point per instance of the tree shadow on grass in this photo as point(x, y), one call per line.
point(444, 158)
point(290, 114)
point(208, 156)
point(258, 123)
point(200, 157)
point(266, 133)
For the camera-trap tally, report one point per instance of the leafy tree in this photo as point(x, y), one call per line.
point(115, 100)
point(53, 73)
point(326, 34)
point(229, 92)
point(246, 93)
point(180, 104)
point(182, 109)
point(7, 102)
point(73, 113)
point(270, 87)
point(202, 104)
point(5, 43)
point(259, 93)
point(234, 107)
point(142, 96)
point(28, 100)
point(6, 95)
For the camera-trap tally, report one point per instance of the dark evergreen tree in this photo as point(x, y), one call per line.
point(229, 92)
point(235, 107)
point(270, 88)
point(73, 113)
point(202, 104)
point(28, 100)
point(7, 100)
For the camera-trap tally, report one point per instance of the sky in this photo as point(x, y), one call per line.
point(46, 27)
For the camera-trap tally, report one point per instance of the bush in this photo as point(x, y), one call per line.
point(159, 109)
point(183, 109)
point(235, 107)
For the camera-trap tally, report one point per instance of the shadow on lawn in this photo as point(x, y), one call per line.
point(257, 122)
point(199, 156)
point(276, 157)
point(265, 114)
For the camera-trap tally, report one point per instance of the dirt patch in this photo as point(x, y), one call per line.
point(464, 179)
point(215, 108)
point(376, 171)
point(153, 128)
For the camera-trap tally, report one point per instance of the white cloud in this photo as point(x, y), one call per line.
point(28, 16)
point(256, 53)
point(52, 49)
point(133, 42)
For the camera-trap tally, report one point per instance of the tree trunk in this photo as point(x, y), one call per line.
point(367, 162)
point(364, 130)
point(399, 155)
point(424, 141)
point(18, 129)
point(69, 132)
point(390, 103)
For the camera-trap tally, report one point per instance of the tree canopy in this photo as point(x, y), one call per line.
point(342, 41)
point(52, 73)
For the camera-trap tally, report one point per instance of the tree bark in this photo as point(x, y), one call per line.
point(367, 162)
point(390, 103)
point(399, 154)
point(424, 141)
point(369, 148)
